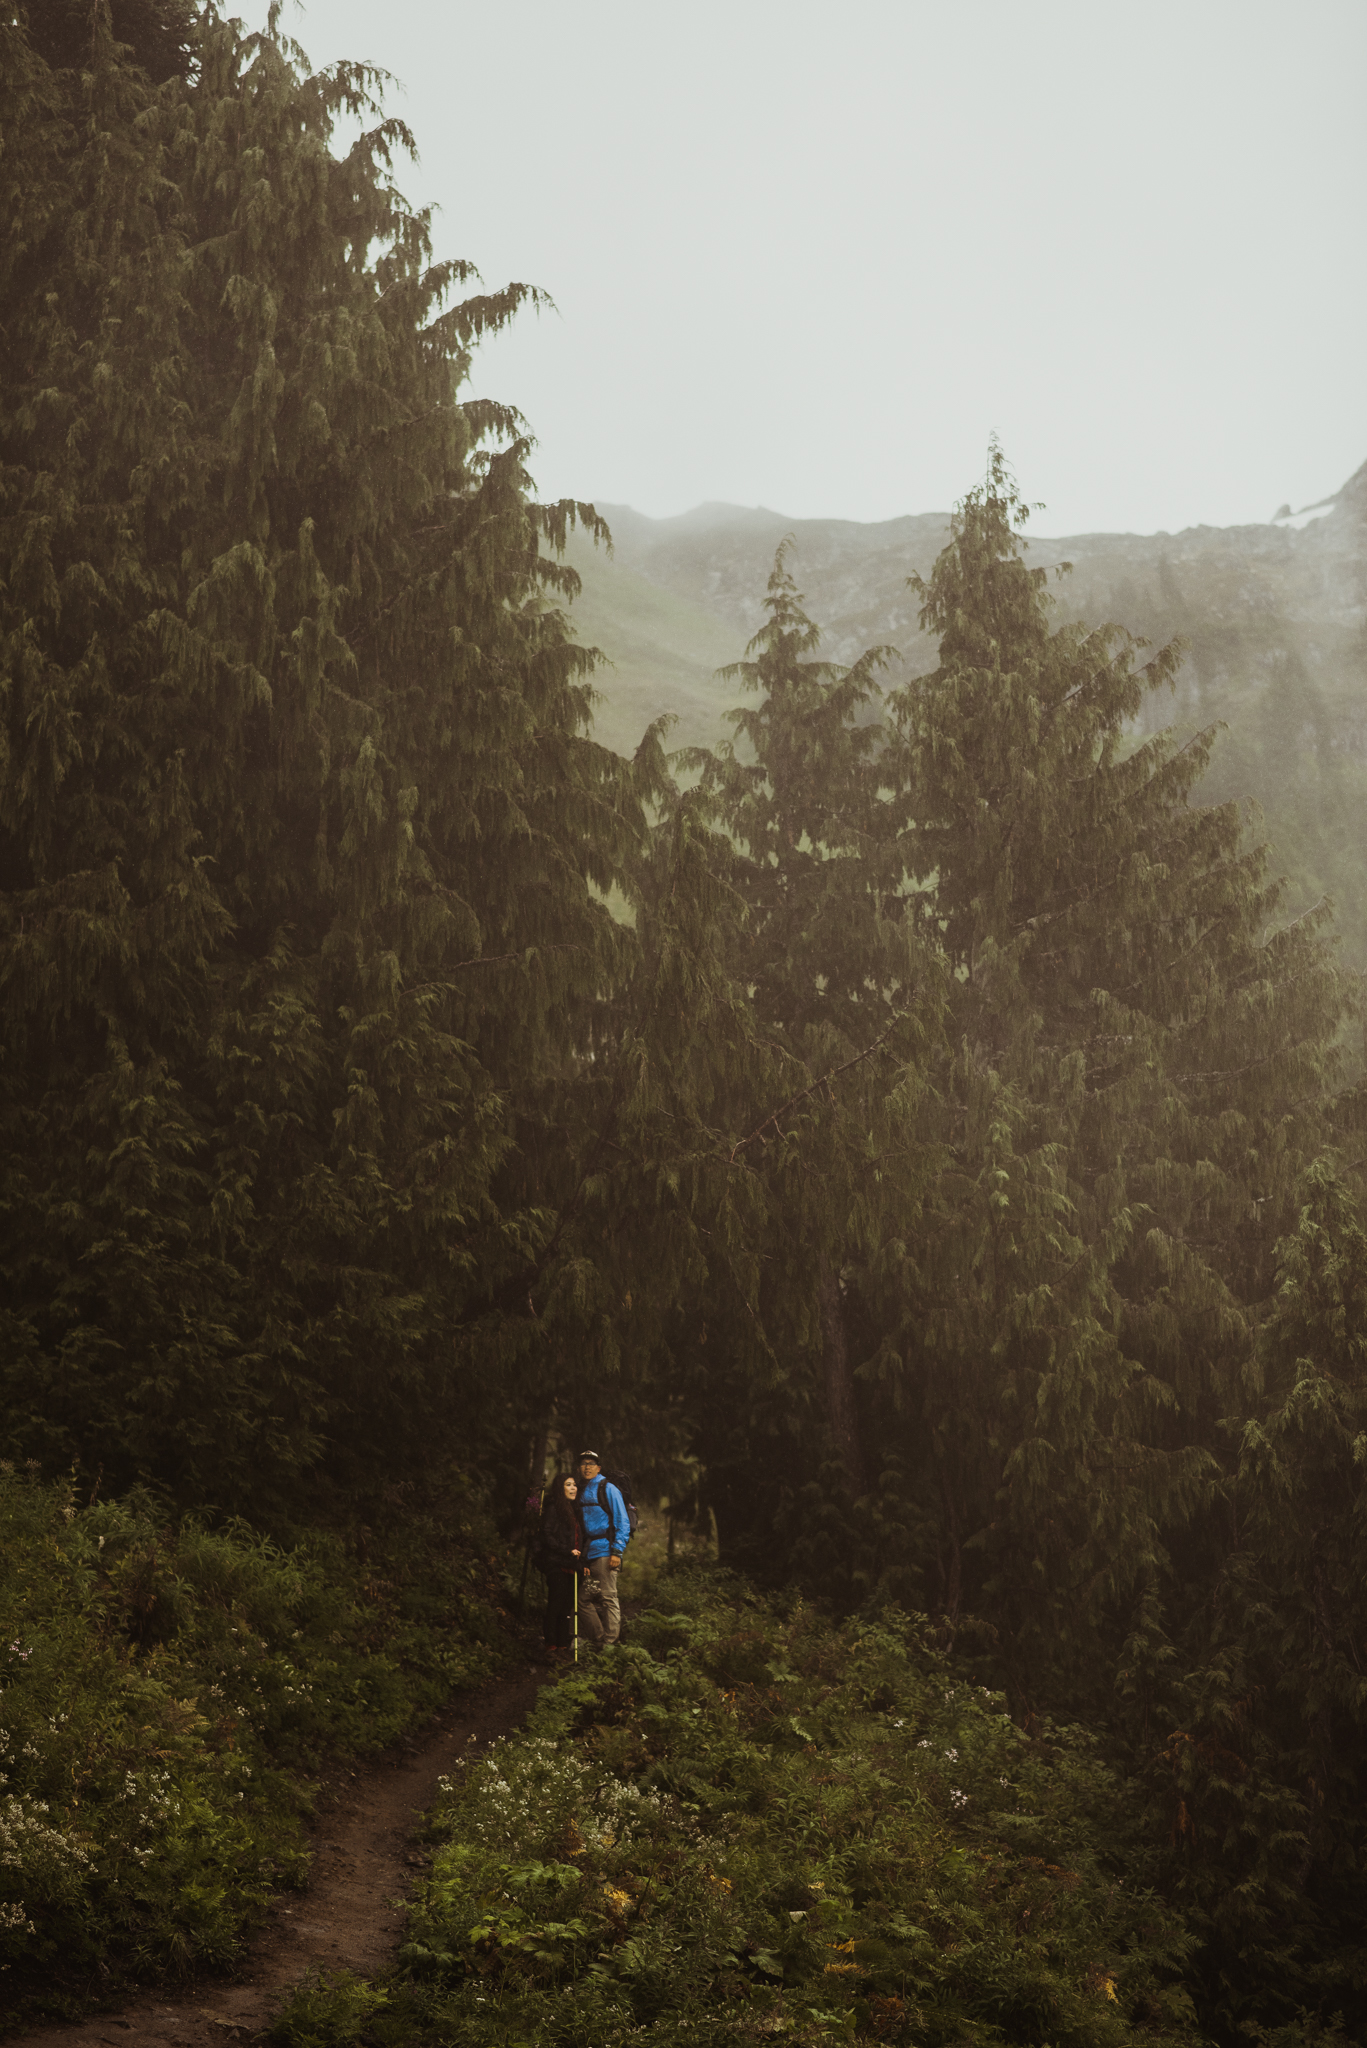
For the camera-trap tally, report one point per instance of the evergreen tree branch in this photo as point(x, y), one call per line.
point(802, 1095)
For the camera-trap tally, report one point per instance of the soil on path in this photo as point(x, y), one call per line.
point(352, 1915)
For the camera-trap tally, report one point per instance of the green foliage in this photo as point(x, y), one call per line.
point(749, 1825)
point(1138, 1058)
point(329, 2012)
point(165, 1692)
point(905, 1165)
point(799, 792)
point(1007, 1052)
point(1255, 1734)
point(1052, 1225)
point(301, 844)
point(834, 993)
point(157, 34)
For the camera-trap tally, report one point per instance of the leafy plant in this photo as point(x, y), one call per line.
point(750, 1824)
point(167, 1692)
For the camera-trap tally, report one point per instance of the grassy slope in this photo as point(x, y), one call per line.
point(664, 653)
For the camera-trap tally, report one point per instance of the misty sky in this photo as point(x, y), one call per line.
point(810, 256)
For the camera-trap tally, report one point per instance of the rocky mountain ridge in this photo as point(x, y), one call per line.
point(1310, 565)
point(1273, 617)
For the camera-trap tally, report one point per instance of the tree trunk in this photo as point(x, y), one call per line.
point(841, 1416)
point(536, 1465)
point(951, 1564)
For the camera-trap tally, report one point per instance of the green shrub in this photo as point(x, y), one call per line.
point(746, 1825)
point(167, 1693)
point(329, 2011)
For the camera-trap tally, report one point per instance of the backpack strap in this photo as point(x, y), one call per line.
point(600, 1502)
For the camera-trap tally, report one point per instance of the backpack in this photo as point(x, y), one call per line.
point(622, 1482)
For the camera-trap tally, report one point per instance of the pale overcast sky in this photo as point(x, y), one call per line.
point(810, 256)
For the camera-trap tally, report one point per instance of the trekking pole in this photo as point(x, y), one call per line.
point(576, 1614)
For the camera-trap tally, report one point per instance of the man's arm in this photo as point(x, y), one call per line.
point(619, 1525)
point(622, 1522)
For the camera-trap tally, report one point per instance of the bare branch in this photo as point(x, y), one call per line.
point(803, 1093)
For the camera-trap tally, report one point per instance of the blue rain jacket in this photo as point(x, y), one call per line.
point(605, 1518)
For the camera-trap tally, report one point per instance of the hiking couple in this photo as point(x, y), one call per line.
point(585, 1529)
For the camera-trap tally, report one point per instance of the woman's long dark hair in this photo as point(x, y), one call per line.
point(558, 1519)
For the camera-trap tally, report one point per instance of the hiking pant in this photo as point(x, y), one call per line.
point(558, 1626)
point(600, 1589)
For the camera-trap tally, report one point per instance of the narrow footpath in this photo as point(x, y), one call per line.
point(352, 1915)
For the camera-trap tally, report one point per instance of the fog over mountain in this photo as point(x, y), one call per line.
point(1309, 565)
point(1274, 617)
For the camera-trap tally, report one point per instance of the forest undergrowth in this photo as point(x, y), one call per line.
point(748, 1824)
point(171, 1696)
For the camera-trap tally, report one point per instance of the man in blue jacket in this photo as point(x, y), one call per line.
point(608, 1531)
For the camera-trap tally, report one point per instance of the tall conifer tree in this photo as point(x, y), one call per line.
point(301, 843)
point(842, 986)
point(1137, 1052)
point(1250, 1711)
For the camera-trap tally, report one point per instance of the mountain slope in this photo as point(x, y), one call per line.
point(1274, 617)
point(663, 649)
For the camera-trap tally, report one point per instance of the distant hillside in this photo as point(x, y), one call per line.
point(1275, 618)
point(664, 651)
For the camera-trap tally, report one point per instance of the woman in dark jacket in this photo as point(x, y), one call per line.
point(562, 1560)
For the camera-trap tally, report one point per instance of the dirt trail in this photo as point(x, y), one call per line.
point(352, 1915)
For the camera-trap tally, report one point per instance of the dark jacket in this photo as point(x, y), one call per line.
point(562, 1532)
